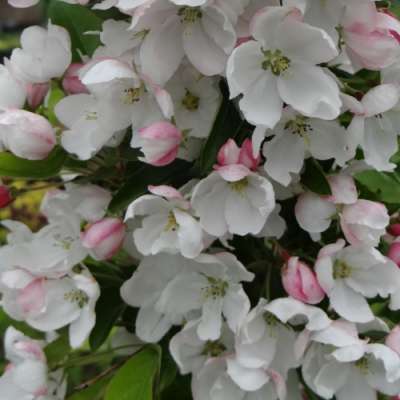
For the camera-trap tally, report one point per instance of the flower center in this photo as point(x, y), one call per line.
point(363, 365)
point(190, 15)
point(239, 186)
point(131, 95)
point(217, 288)
point(65, 242)
point(91, 115)
point(77, 296)
point(172, 224)
point(190, 101)
point(213, 348)
point(299, 125)
point(275, 61)
point(341, 270)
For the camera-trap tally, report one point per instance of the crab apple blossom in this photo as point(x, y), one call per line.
point(281, 66)
point(159, 142)
point(23, 3)
point(209, 284)
point(27, 375)
point(233, 198)
point(373, 127)
point(349, 275)
point(104, 238)
point(300, 282)
point(294, 139)
point(26, 134)
point(166, 223)
point(203, 32)
point(370, 36)
point(362, 221)
point(44, 54)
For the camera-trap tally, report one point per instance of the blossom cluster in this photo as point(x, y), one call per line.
point(272, 273)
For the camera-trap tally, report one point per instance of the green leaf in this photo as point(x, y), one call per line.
point(54, 96)
point(58, 350)
point(77, 20)
point(385, 185)
point(145, 175)
point(227, 125)
point(137, 378)
point(16, 167)
point(108, 308)
point(314, 179)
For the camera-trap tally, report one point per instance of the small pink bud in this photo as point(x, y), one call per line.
point(104, 238)
point(71, 82)
point(159, 143)
point(300, 282)
point(5, 196)
point(26, 134)
point(394, 229)
point(246, 156)
point(394, 252)
point(393, 339)
point(36, 92)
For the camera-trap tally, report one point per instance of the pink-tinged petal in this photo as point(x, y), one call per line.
point(104, 238)
point(31, 299)
point(161, 130)
point(32, 348)
point(364, 222)
point(229, 153)
point(166, 191)
point(280, 383)
point(344, 190)
point(71, 83)
point(394, 252)
point(246, 156)
point(35, 93)
point(233, 173)
point(393, 339)
point(301, 282)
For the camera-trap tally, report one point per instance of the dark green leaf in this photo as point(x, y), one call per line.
point(145, 175)
point(15, 167)
point(137, 378)
point(227, 125)
point(77, 20)
point(385, 185)
point(314, 179)
point(108, 308)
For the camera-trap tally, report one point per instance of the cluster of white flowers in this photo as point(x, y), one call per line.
point(154, 86)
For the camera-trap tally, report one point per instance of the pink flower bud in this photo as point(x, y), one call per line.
point(394, 252)
point(26, 134)
point(36, 92)
point(104, 238)
point(71, 82)
point(5, 196)
point(394, 229)
point(300, 282)
point(159, 143)
point(393, 339)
